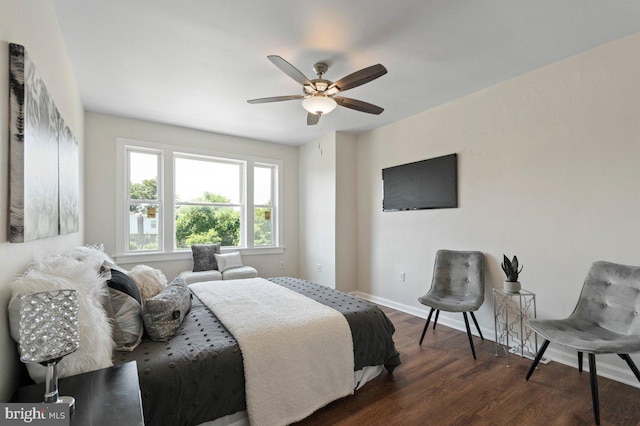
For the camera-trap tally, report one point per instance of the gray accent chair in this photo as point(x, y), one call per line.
point(457, 286)
point(605, 320)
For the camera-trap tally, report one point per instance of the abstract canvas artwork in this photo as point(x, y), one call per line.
point(43, 164)
point(69, 185)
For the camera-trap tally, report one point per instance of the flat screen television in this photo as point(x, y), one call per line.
point(426, 184)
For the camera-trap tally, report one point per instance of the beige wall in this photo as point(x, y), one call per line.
point(317, 197)
point(33, 24)
point(100, 191)
point(548, 169)
point(328, 213)
point(346, 213)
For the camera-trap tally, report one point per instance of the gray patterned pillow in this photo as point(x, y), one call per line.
point(203, 256)
point(163, 314)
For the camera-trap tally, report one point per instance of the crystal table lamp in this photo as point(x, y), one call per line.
point(49, 331)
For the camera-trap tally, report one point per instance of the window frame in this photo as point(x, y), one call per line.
point(166, 200)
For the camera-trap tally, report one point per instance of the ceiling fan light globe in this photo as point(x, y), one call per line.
point(319, 104)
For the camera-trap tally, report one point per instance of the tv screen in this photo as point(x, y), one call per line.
point(426, 184)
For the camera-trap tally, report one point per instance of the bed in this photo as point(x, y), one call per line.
point(199, 376)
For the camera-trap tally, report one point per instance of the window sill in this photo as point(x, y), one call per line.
point(128, 258)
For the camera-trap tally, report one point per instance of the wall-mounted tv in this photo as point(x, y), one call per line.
point(426, 184)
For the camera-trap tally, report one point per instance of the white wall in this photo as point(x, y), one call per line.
point(101, 133)
point(548, 170)
point(33, 24)
point(317, 220)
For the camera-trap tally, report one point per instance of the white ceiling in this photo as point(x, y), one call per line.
point(194, 63)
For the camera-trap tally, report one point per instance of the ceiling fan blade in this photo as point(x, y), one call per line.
point(358, 105)
point(275, 99)
point(313, 119)
point(359, 78)
point(290, 70)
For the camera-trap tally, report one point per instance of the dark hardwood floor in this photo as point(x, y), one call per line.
point(441, 384)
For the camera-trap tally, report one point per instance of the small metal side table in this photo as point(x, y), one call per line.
point(510, 312)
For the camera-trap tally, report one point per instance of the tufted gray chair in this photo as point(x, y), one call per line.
point(457, 286)
point(605, 320)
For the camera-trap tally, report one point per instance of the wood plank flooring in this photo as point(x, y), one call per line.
point(441, 384)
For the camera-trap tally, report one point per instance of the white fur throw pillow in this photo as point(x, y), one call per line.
point(150, 281)
point(93, 257)
point(68, 271)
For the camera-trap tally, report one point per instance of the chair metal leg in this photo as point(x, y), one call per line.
point(594, 387)
point(476, 323)
point(580, 362)
point(435, 321)
point(631, 364)
point(466, 322)
point(426, 326)
point(543, 348)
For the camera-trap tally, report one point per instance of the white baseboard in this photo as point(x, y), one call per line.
point(555, 352)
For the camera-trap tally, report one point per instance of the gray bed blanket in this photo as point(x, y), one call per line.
point(198, 375)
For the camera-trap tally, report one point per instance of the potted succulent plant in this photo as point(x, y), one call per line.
point(510, 268)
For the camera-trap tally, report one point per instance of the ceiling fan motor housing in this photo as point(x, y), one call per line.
point(320, 68)
point(319, 86)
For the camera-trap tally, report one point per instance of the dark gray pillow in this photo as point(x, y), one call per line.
point(203, 256)
point(163, 313)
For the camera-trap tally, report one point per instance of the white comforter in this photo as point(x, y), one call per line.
point(297, 353)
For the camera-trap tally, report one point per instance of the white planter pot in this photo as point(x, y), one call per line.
point(512, 287)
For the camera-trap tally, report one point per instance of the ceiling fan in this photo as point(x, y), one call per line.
point(319, 96)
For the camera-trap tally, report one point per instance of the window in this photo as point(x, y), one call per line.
point(143, 200)
point(263, 190)
point(208, 201)
point(172, 197)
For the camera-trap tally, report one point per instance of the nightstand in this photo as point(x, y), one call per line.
point(110, 396)
point(511, 310)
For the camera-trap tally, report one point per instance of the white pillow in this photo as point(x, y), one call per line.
point(150, 281)
point(229, 261)
point(66, 271)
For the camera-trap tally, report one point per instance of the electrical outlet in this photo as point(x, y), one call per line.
point(403, 276)
point(318, 268)
point(282, 264)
